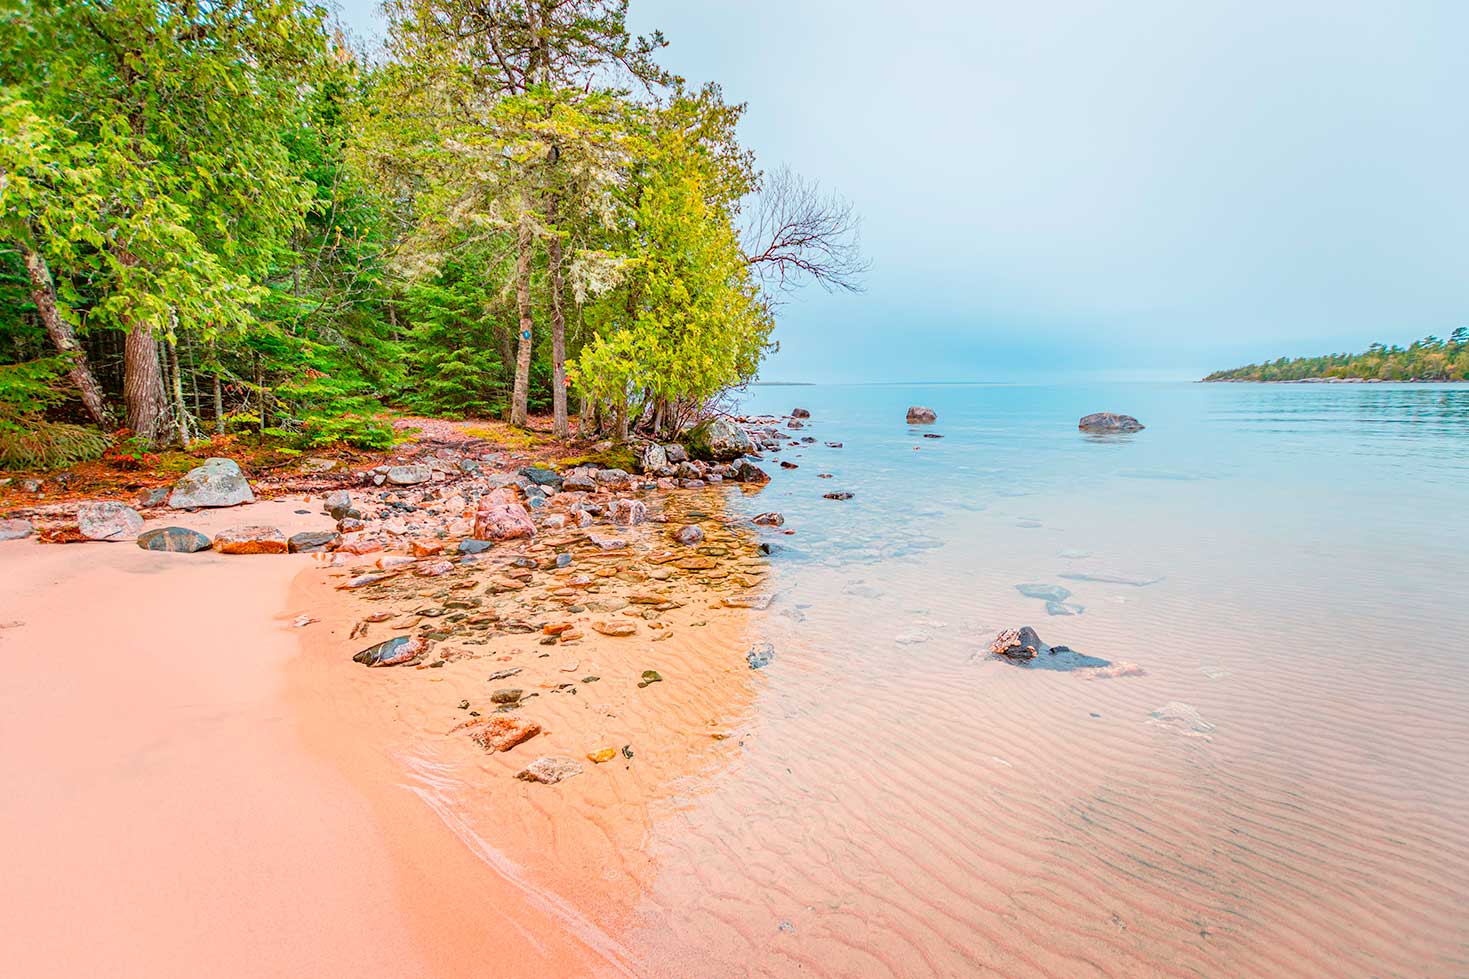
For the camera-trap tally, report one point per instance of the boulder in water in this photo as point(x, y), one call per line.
point(109, 521)
point(1106, 421)
point(217, 483)
point(1022, 643)
point(179, 540)
point(918, 415)
point(627, 513)
point(689, 534)
point(800, 413)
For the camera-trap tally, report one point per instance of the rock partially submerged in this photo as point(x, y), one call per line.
point(503, 521)
point(760, 655)
point(109, 521)
point(800, 413)
point(1106, 421)
point(770, 519)
point(392, 652)
point(179, 540)
point(549, 770)
point(918, 415)
point(1022, 643)
point(217, 483)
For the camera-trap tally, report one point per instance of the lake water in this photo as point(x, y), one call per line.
point(1269, 776)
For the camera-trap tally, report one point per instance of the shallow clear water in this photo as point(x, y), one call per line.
point(1271, 777)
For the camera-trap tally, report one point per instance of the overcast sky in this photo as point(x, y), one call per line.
point(1135, 187)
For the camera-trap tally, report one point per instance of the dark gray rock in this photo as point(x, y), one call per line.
point(800, 413)
point(1106, 421)
point(748, 472)
point(1022, 643)
point(472, 546)
point(180, 540)
point(312, 541)
point(542, 476)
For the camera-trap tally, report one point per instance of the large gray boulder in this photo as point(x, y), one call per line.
point(1106, 421)
point(655, 457)
point(15, 529)
point(724, 441)
point(109, 521)
point(217, 483)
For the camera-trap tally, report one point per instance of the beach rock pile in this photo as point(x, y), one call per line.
point(1106, 421)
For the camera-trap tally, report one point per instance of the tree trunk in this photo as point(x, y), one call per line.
point(142, 385)
point(520, 397)
point(561, 428)
point(181, 411)
point(43, 294)
point(218, 406)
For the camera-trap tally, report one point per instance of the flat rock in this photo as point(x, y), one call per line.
point(409, 475)
point(15, 529)
point(180, 540)
point(312, 541)
point(252, 539)
point(1106, 421)
point(217, 483)
point(615, 627)
point(504, 731)
point(109, 521)
point(549, 770)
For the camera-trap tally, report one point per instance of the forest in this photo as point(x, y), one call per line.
point(221, 217)
point(1429, 359)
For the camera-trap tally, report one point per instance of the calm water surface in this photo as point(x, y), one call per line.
point(1269, 778)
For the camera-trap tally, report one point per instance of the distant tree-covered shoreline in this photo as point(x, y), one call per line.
point(1429, 359)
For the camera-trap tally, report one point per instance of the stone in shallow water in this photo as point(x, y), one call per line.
point(549, 770)
point(1181, 717)
point(689, 534)
point(771, 519)
point(760, 655)
point(504, 731)
point(217, 483)
point(1111, 578)
point(392, 652)
point(1050, 593)
point(838, 496)
point(472, 546)
point(179, 540)
point(1106, 421)
point(918, 415)
point(1064, 608)
point(108, 521)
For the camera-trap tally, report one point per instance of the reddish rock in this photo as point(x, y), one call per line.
point(504, 731)
point(503, 521)
point(689, 534)
point(616, 627)
point(626, 513)
point(254, 539)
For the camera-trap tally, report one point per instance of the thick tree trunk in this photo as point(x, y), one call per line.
point(43, 294)
point(142, 385)
point(561, 427)
point(520, 397)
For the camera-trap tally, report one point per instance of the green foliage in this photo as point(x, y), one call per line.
point(27, 439)
point(1429, 359)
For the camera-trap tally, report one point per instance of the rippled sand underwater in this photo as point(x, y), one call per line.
point(1270, 776)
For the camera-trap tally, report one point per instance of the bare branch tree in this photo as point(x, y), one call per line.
point(799, 233)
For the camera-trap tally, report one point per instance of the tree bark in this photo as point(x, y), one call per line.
point(561, 427)
point(43, 294)
point(218, 406)
point(520, 397)
point(142, 385)
point(181, 412)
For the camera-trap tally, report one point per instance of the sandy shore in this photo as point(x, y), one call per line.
point(201, 785)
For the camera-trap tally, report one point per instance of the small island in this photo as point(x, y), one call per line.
point(1428, 361)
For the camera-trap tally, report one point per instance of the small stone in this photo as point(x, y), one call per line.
point(760, 655)
point(689, 534)
point(771, 519)
point(615, 627)
point(507, 695)
point(472, 546)
point(837, 496)
point(649, 677)
point(601, 755)
point(627, 513)
point(109, 521)
point(254, 539)
point(179, 540)
point(549, 770)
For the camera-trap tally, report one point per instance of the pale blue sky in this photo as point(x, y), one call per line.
point(1128, 186)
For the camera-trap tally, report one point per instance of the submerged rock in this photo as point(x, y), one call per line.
point(770, 519)
point(1050, 593)
point(549, 770)
point(393, 652)
point(748, 472)
point(689, 534)
point(760, 655)
point(1106, 421)
point(179, 540)
point(1022, 643)
point(628, 513)
point(837, 496)
point(918, 415)
point(217, 483)
point(503, 521)
point(108, 521)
